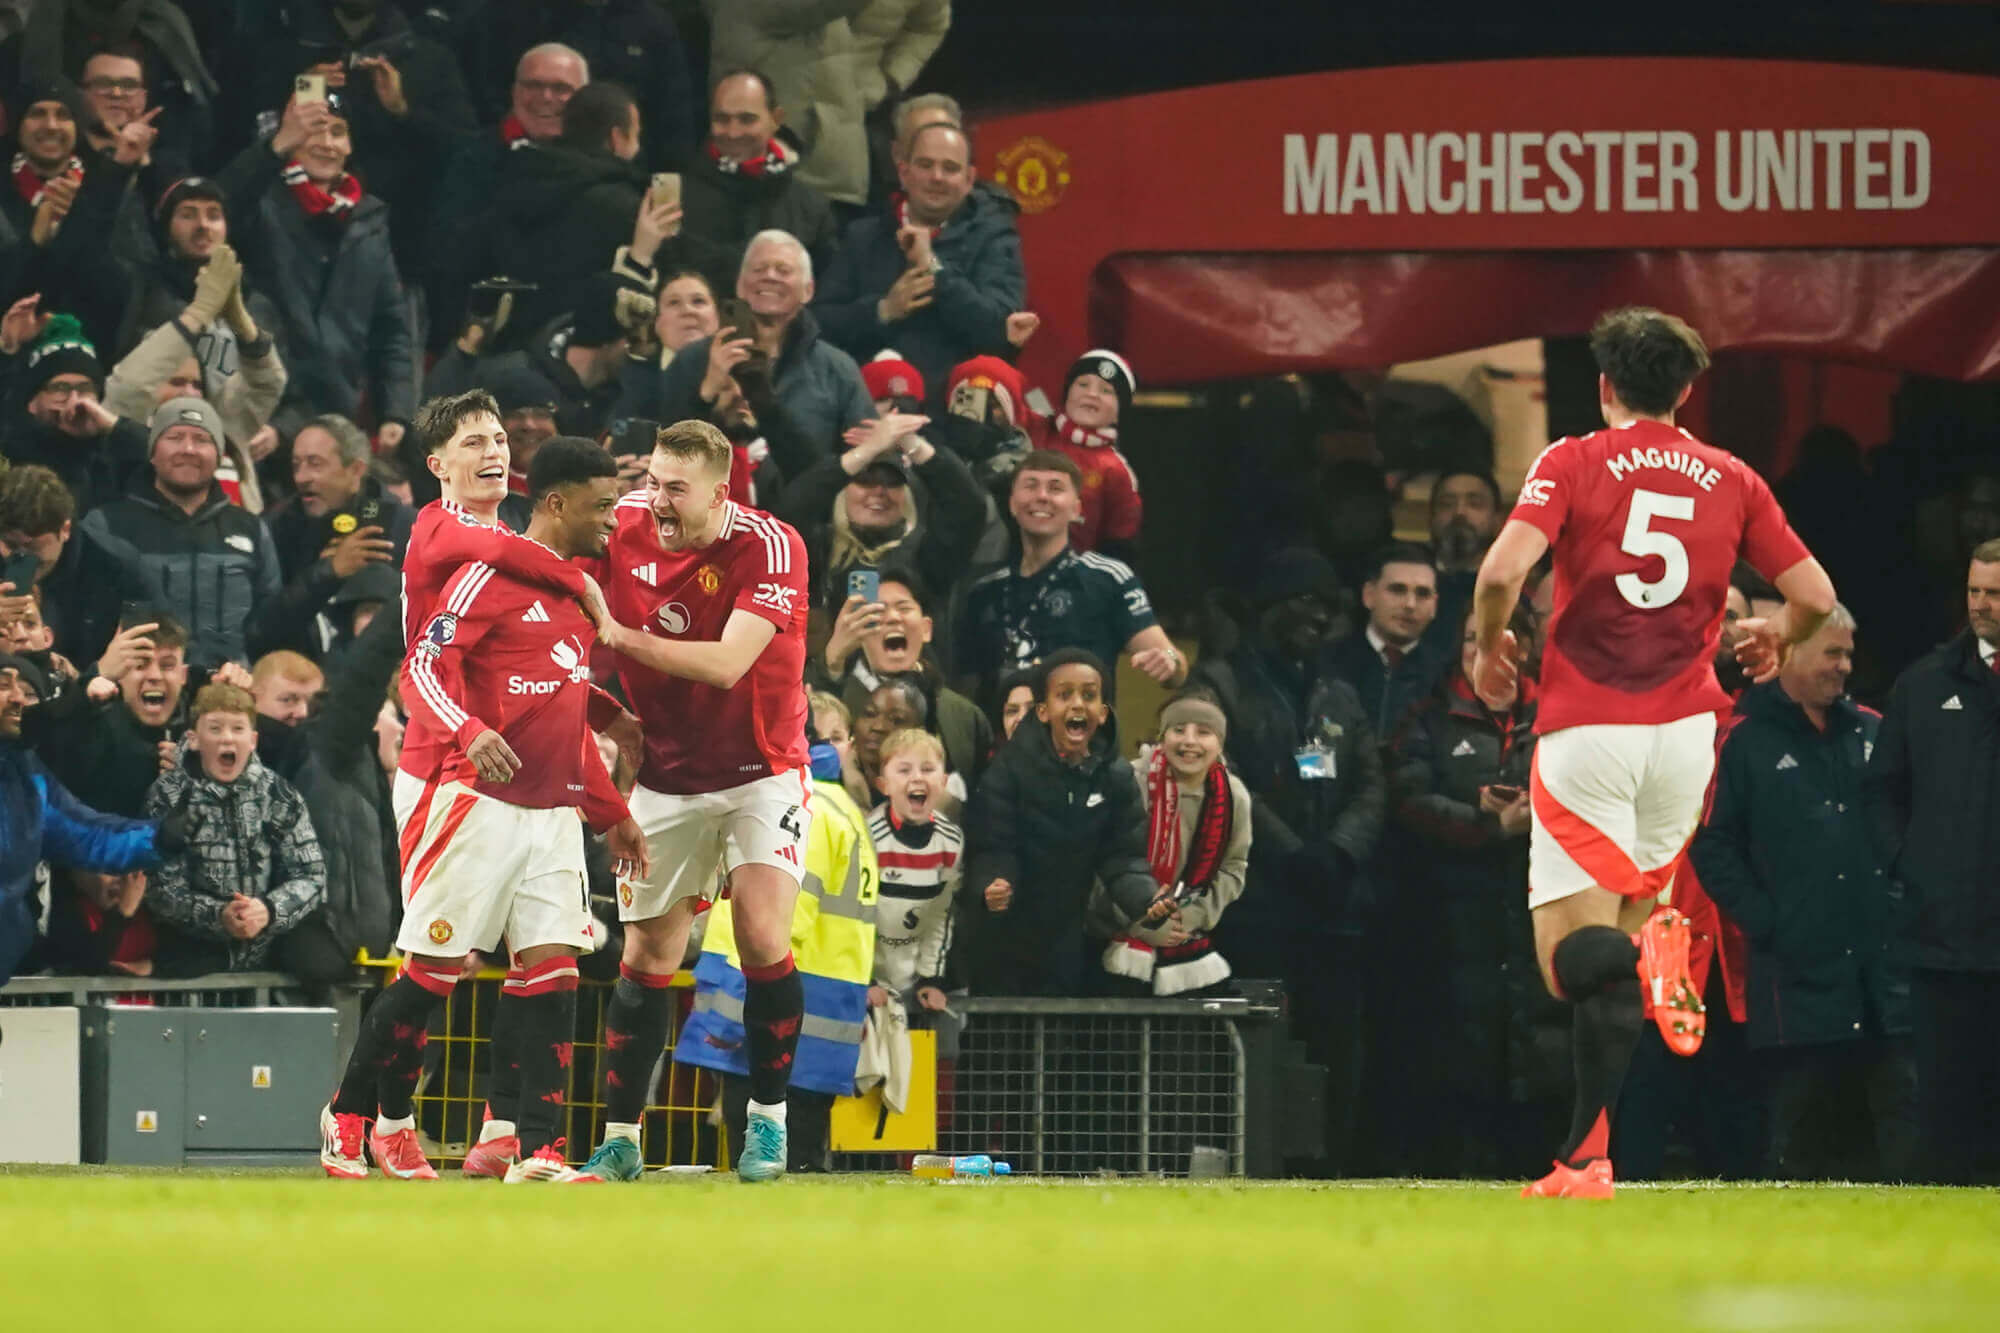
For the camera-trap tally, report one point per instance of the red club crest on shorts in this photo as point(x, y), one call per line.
point(625, 893)
point(440, 931)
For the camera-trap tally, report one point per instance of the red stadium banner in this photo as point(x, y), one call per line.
point(1505, 156)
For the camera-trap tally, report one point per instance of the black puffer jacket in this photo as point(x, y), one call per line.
point(342, 319)
point(724, 209)
point(1933, 794)
point(1051, 830)
point(1313, 837)
point(1786, 854)
point(1495, 1034)
point(95, 471)
point(559, 215)
point(215, 570)
point(331, 759)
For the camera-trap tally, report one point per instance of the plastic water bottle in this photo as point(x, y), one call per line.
point(936, 1166)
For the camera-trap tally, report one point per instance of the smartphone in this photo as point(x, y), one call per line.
point(865, 584)
point(1502, 792)
point(309, 88)
point(634, 437)
point(666, 188)
point(20, 569)
point(135, 613)
point(735, 314)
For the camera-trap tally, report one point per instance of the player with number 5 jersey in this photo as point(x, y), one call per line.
point(713, 661)
point(1644, 523)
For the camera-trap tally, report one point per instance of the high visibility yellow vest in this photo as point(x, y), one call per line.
point(833, 947)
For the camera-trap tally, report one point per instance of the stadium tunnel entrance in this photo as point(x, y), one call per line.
point(1832, 230)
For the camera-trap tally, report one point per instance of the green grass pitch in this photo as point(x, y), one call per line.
point(160, 1251)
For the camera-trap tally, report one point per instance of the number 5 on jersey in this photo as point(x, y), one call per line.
point(1642, 540)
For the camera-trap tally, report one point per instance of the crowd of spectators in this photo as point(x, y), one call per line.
point(243, 242)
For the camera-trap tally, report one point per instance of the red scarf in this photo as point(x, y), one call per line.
point(1103, 438)
point(775, 160)
point(1211, 827)
point(337, 203)
point(32, 185)
point(899, 203)
point(512, 132)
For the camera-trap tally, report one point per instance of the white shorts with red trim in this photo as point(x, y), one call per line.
point(1616, 805)
point(694, 841)
point(476, 868)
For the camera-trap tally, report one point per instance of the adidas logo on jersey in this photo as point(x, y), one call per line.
point(1464, 748)
point(1952, 705)
point(1787, 762)
point(537, 612)
point(647, 574)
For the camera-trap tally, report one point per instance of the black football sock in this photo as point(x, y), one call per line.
point(1596, 966)
point(388, 1055)
point(635, 1032)
point(503, 1071)
point(546, 1027)
point(774, 1002)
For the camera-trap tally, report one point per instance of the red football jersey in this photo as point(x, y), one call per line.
point(1647, 522)
point(504, 655)
point(700, 738)
point(445, 536)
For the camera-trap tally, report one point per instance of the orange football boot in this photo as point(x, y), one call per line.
point(1666, 983)
point(1592, 1180)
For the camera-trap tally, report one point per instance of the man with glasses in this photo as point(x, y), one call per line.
point(115, 94)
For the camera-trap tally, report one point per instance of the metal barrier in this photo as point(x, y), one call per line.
point(235, 990)
point(1084, 1087)
point(678, 1127)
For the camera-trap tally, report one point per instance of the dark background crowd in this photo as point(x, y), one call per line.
point(242, 241)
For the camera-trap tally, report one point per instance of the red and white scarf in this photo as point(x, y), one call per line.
point(775, 160)
point(318, 201)
point(32, 185)
point(1105, 437)
point(512, 132)
point(1173, 969)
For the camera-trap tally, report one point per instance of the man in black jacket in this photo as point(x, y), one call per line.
point(1305, 747)
point(1388, 661)
point(742, 181)
point(61, 422)
point(561, 210)
point(936, 274)
point(1933, 797)
point(82, 583)
point(209, 563)
point(1057, 811)
point(331, 758)
point(1784, 853)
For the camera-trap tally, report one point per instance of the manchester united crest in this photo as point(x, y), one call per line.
point(1035, 172)
point(709, 577)
point(625, 893)
point(440, 931)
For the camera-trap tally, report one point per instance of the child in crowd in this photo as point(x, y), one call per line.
point(1056, 812)
point(920, 854)
point(1198, 845)
point(252, 869)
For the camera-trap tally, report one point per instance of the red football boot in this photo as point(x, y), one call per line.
point(1592, 1180)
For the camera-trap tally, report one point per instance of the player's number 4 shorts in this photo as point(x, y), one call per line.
point(694, 840)
point(1615, 806)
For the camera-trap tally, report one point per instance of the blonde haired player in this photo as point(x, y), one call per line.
point(1646, 523)
point(714, 595)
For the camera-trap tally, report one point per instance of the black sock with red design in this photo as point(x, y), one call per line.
point(635, 1032)
point(503, 1074)
point(1597, 968)
point(545, 1028)
point(388, 1055)
point(774, 1002)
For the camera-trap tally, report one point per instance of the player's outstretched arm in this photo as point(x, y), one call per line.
point(1495, 594)
point(1809, 600)
point(454, 543)
point(719, 662)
